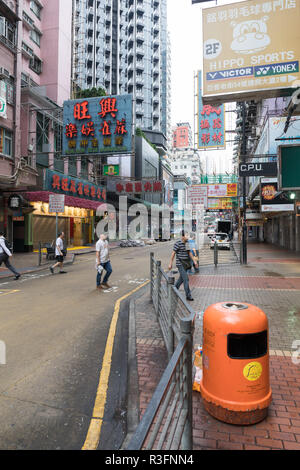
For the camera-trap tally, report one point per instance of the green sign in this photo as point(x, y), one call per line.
point(111, 170)
point(289, 167)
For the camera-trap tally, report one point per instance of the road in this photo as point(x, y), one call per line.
point(55, 329)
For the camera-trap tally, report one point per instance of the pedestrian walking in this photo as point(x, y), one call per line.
point(194, 251)
point(5, 254)
point(184, 260)
point(59, 254)
point(103, 262)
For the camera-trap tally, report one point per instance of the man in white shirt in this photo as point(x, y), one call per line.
point(5, 254)
point(59, 246)
point(102, 261)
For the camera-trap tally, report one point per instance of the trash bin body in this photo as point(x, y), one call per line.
point(235, 386)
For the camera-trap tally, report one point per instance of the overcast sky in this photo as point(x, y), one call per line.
point(184, 25)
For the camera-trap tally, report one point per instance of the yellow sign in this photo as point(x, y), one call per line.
point(252, 371)
point(250, 47)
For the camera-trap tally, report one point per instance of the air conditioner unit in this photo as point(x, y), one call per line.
point(30, 148)
point(4, 73)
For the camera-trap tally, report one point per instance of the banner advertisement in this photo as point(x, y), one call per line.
point(218, 204)
point(211, 123)
point(243, 52)
point(222, 190)
point(3, 104)
point(197, 194)
point(273, 200)
point(99, 126)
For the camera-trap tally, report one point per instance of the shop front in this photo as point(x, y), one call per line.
point(82, 198)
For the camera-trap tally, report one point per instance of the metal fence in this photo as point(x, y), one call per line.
point(167, 422)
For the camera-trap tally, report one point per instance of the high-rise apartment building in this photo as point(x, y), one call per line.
point(122, 46)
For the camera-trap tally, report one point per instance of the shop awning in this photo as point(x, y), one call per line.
point(70, 201)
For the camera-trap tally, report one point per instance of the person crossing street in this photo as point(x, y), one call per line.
point(103, 262)
point(184, 261)
point(5, 254)
point(59, 248)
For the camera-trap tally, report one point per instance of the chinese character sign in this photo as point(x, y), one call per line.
point(144, 186)
point(211, 123)
point(62, 184)
point(250, 47)
point(101, 125)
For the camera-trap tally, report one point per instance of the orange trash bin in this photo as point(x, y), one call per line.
point(235, 385)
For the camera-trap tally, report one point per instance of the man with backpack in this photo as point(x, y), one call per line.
point(5, 254)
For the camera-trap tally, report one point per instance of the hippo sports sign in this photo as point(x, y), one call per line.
point(250, 47)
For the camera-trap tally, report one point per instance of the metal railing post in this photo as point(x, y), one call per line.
point(186, 326)
point(216, 254)
point(151, 275)
point(170, 347)
point(158, 285)
point(40, 253)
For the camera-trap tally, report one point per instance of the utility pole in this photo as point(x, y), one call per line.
point(244, 158)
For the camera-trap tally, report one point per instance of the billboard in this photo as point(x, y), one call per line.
point(98, 126)
point(197, 194)
point(250, 47)
point(222, 190)
point(289, 167)
point(273, 200)
point(211, 123)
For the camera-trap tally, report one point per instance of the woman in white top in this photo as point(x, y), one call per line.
point(5, 254)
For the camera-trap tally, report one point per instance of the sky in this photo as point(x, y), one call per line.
point(185, 28)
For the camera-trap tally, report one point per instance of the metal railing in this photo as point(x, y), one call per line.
point(167, 422)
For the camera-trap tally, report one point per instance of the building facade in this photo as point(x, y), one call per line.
point(122, 46)
point(35, 80)
point(182, 136)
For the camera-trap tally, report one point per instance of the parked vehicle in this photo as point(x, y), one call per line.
point(224, 226)
point(222, 240)
point(211, 231)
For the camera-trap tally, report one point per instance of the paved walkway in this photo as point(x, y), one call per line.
point(270, 281)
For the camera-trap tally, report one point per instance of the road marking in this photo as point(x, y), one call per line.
point(93, 435)
point(9, 292)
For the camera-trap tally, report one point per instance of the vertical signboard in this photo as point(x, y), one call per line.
point(250, 48)
point(211, 123)
point(3, 105)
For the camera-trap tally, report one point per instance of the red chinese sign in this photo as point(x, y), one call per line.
point(62, 184)
point(145, 186)
point(211, 125)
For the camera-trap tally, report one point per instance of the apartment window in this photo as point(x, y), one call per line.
point(35, 36)
point(7, 31)
point(6, 138)
point(36, 65)
point(36, 8)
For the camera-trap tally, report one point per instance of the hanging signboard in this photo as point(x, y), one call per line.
point(197, 194)
point(244, 55)
point(222, 190)
point(3, 104)
point(258, 169)
point(98, 126)
point(211, 123)
point(273, 200)
point(289, 167)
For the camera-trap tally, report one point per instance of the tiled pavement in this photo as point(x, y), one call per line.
point(278, 296)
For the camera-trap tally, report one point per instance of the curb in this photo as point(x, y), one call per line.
point(133, 396)
point(133, 401)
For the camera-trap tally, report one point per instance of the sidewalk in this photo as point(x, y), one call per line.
point(27, 263)
point(270, 281)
